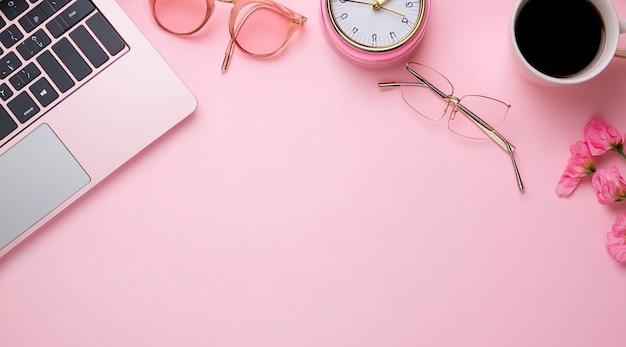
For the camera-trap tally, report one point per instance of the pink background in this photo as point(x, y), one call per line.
point(302, 206)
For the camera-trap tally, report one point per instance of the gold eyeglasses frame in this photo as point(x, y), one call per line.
point(454, 104)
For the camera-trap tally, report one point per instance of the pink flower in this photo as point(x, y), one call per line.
point(616, 239)
point(602, 137)
point(610, 185)
point(580, 164)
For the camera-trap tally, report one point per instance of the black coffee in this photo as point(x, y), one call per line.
point(559, 37)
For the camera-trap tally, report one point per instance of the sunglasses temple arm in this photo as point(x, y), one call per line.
point(228, 55)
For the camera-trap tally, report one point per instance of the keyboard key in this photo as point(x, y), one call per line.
point(43, 91)
point(50, 7)
point(88, 45)
point(25, 76)
point(56, 72)
point(11, 36)
point(8, 64)
point(5, 92)
point(33, 19)
point(40, 66)
point(106, 34)
point(23, 107)
point(70, 17)
point(71, 59)
point(34, 44)
point(13, 8)
point(16, 82)
point(7, 124)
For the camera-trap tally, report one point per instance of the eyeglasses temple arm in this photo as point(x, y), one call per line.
point(496, 137)
point(486, 128)
point(518, 177)
point(400, 84)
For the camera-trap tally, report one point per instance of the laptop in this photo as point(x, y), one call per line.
point(81, 92)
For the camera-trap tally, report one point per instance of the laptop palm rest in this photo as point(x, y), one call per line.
point(36, 175)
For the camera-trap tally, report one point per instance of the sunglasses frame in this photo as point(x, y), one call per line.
point(210, 6)
point(295, 21)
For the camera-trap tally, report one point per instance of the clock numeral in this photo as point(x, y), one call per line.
point(393, 35)
point(343, 16)
point(355, 30)
point(405, 21)
point(374, 39)
point(409, 4)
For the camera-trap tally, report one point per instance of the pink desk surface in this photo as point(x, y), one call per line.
point(301, 206)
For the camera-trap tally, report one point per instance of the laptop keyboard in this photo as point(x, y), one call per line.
point(48, 49)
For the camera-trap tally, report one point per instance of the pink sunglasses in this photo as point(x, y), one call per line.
point(259, 28)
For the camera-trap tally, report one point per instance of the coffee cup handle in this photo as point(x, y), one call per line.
point(621, 52)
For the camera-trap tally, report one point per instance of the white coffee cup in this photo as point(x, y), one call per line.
point(607, 49)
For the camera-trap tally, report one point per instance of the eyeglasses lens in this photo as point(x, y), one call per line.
point(181, 16)
point(421, 98)
point(491, 111)
point(429, 104)
point(261, 30)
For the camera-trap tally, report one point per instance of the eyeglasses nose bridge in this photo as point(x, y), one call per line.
point(453, 101)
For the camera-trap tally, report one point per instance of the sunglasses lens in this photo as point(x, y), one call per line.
point(261, 30)
point(181, 16)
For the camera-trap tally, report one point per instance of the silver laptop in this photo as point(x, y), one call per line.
point(81, 92)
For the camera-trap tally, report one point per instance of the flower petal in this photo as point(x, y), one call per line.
point(610, 185)
point(601, 136)
point(579, 165)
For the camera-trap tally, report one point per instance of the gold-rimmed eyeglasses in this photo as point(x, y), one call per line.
point(259, 28)
point(425, 96)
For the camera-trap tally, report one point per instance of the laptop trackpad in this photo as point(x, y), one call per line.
point(36, 176)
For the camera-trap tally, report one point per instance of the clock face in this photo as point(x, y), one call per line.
point(376, 25)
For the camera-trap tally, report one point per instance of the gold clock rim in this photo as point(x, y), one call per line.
point(365, 48)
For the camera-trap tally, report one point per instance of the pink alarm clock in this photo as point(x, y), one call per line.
point(374, 33)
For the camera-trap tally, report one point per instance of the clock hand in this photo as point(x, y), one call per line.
point(378, 4)
point(390, 10)
point(358, 2)
point(380, 7)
